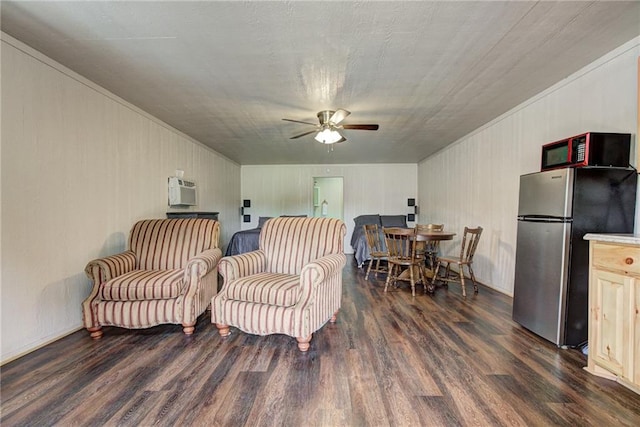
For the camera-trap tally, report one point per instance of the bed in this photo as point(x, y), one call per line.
point(359, 240)
point(245, 240)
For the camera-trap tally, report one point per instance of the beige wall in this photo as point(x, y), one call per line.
point(475, 181)
point(368, 189)
point(79, 166)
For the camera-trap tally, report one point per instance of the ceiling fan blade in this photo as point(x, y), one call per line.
point(361, 127)
point(298, 121)
point(338, 116)
point(303, 134)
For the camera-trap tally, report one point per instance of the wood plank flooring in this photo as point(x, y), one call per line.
point(390, 360)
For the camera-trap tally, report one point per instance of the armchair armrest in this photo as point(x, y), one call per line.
point(316, 272)
point(103, 269)
point(236, 266)
point(202, 263)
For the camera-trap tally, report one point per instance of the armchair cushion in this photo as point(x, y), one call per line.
point(266, 288)
point(141, 285)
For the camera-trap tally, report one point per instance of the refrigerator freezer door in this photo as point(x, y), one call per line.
point(546, 194)
point(539, 293)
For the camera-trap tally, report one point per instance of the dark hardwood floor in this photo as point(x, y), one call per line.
point(389, 360)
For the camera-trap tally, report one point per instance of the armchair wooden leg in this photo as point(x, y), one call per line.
point(334, 317)
point(223, 330)
point(95, 332)
point(303, 343)
point(188, 329)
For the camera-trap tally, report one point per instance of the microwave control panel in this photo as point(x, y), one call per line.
point(580, 148)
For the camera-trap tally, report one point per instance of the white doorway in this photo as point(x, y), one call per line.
point(328, 197)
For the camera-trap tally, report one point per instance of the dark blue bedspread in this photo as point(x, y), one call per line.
point(243, 241)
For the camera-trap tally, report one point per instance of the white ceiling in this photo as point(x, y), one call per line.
point(226, 73)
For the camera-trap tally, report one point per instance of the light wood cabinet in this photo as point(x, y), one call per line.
point(614, 323)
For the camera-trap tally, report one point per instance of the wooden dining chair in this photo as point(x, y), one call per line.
point(429, 250)
point(470, 240)
point(401, 244)
point(377, 249)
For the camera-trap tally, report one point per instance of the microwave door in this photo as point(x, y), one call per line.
point(556, 155)
point(547, 194)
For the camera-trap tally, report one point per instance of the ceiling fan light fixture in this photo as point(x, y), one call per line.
point(330, 125)
point(328, 136)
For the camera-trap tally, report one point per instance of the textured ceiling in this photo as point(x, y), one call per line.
point(226, 73)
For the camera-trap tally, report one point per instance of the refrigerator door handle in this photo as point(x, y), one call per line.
point(543, 218)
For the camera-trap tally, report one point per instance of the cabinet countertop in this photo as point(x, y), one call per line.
point(628, 239)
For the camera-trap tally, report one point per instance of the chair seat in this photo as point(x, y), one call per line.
point(142, 285)
point(266, 288)
point(378, 254)
point(404, 261)
point(452, 260)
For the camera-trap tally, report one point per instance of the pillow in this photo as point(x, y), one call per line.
point(262, 220)
point(394, 221)
point(366, 219)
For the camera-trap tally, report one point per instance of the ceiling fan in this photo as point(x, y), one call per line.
point(328, 131)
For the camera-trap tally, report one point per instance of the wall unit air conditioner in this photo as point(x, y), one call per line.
point(181, 192)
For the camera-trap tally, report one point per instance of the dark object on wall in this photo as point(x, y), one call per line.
point(207, 215)
point(246, 204)
point(412, 216)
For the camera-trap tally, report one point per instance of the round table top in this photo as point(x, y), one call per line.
point(434, 235)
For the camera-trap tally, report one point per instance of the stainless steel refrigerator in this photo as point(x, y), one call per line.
point(556, 209)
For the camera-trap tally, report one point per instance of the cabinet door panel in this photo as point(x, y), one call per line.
point(609, 312)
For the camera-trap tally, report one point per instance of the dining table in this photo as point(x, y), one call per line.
point(428, 272)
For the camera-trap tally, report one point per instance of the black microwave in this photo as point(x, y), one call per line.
point(588, 149)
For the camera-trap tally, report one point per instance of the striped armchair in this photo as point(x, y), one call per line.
point(168, 275)
point(291, 285)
